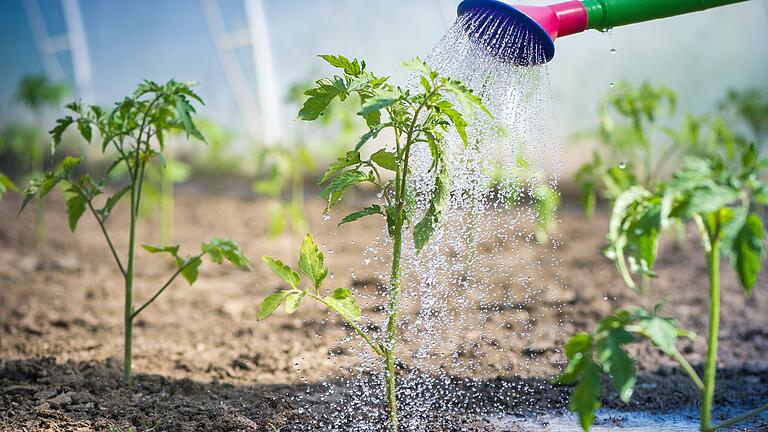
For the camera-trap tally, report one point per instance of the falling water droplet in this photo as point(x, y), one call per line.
point(612, 85)
point(326, 217)
point(613, 51)
point(622, 165)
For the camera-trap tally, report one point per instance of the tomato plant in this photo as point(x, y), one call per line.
point(6, 184)
point(422, 117)
point(135, 129)
point(720, 194)
point(285, 168)
point(24, 140)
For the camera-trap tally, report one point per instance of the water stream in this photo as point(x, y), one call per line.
point(479, 302)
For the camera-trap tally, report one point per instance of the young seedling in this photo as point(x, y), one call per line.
point(38, 94)
point(422, 117)
point(6, 185)
point(135, 129)
point(720, 195)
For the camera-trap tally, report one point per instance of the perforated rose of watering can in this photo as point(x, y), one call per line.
point(544, 24)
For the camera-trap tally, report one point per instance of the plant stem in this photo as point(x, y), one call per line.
point(166, 285)
point(740, 418)
point(710, 366)
point(128, 319)
point(688, 369)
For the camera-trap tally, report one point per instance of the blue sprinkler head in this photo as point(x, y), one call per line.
point(523, 35)
point(502, 29)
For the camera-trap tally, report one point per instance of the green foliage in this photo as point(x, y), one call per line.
point(285, 169)
point(312, 266)
point(38, 91)
point(603, 351)
point(135, 129)
point(423, 117)
point(719, 193)
point(6, 185)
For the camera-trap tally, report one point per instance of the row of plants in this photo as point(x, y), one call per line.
point(717, 184)
point(719, 187)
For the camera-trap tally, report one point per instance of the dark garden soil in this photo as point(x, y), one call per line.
point(203, 361)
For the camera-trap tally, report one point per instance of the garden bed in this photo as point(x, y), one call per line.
point(205, 363)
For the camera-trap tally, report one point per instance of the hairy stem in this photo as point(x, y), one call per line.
point(710, 366)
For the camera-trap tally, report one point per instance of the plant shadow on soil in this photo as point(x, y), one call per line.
point(40, 394)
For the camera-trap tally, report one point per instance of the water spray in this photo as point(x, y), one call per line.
point(493, 21)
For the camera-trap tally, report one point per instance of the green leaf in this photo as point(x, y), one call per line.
point(6, 184)
point(424, 229)
point(47, 186)
point(61, 125)
point(350, 67)
point(112, 201)
point(85, 129)
point(585, 398)
point(373, 132)
point(184, 109)
point(616, 361)
point(335, 189)
point(283, 270)
point(311, 261)
point(344, 306)
point(588, 198)
point(457, 119)
point(173, 250)
point(320, 97)
point(371, 210)
point(341, 293)
point(379, 101)
point(293, 301)
point(190, 268)
point(747, 251)
point(75, 208)
point(578, 349)
point(270, 303)
point(385, 159)
point(222, 248)
point(351, 158)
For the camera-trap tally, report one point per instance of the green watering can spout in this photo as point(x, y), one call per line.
point(525, 35)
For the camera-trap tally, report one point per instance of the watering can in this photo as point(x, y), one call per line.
point(544, 24)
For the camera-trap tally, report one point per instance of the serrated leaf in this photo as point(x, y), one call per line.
point(616, 361)
point(184, 109)
point(172, 250)
point(747, 251)
point(190, 268)
point(283, 270)
point(351, 158)
point(379, 101)
point(335, 189)
point(424, 229)
point(320, 97)
point(61, 125)
point(585, 399)
point(371, 210)
point(373, 132)
point(350, 67)
point(346, 307)
point(75, 208)
point(457, 119)
point(85, 129)
point(113, 200)
point(311, 262)
point(385, 159)
point(270, 304)
point(220, 249)
point(293, 301)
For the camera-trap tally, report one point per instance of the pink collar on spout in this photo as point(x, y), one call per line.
point(561, 19)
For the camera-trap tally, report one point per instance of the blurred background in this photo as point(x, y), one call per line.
point(246, 55)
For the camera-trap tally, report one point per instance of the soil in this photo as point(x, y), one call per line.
point(203, 361)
